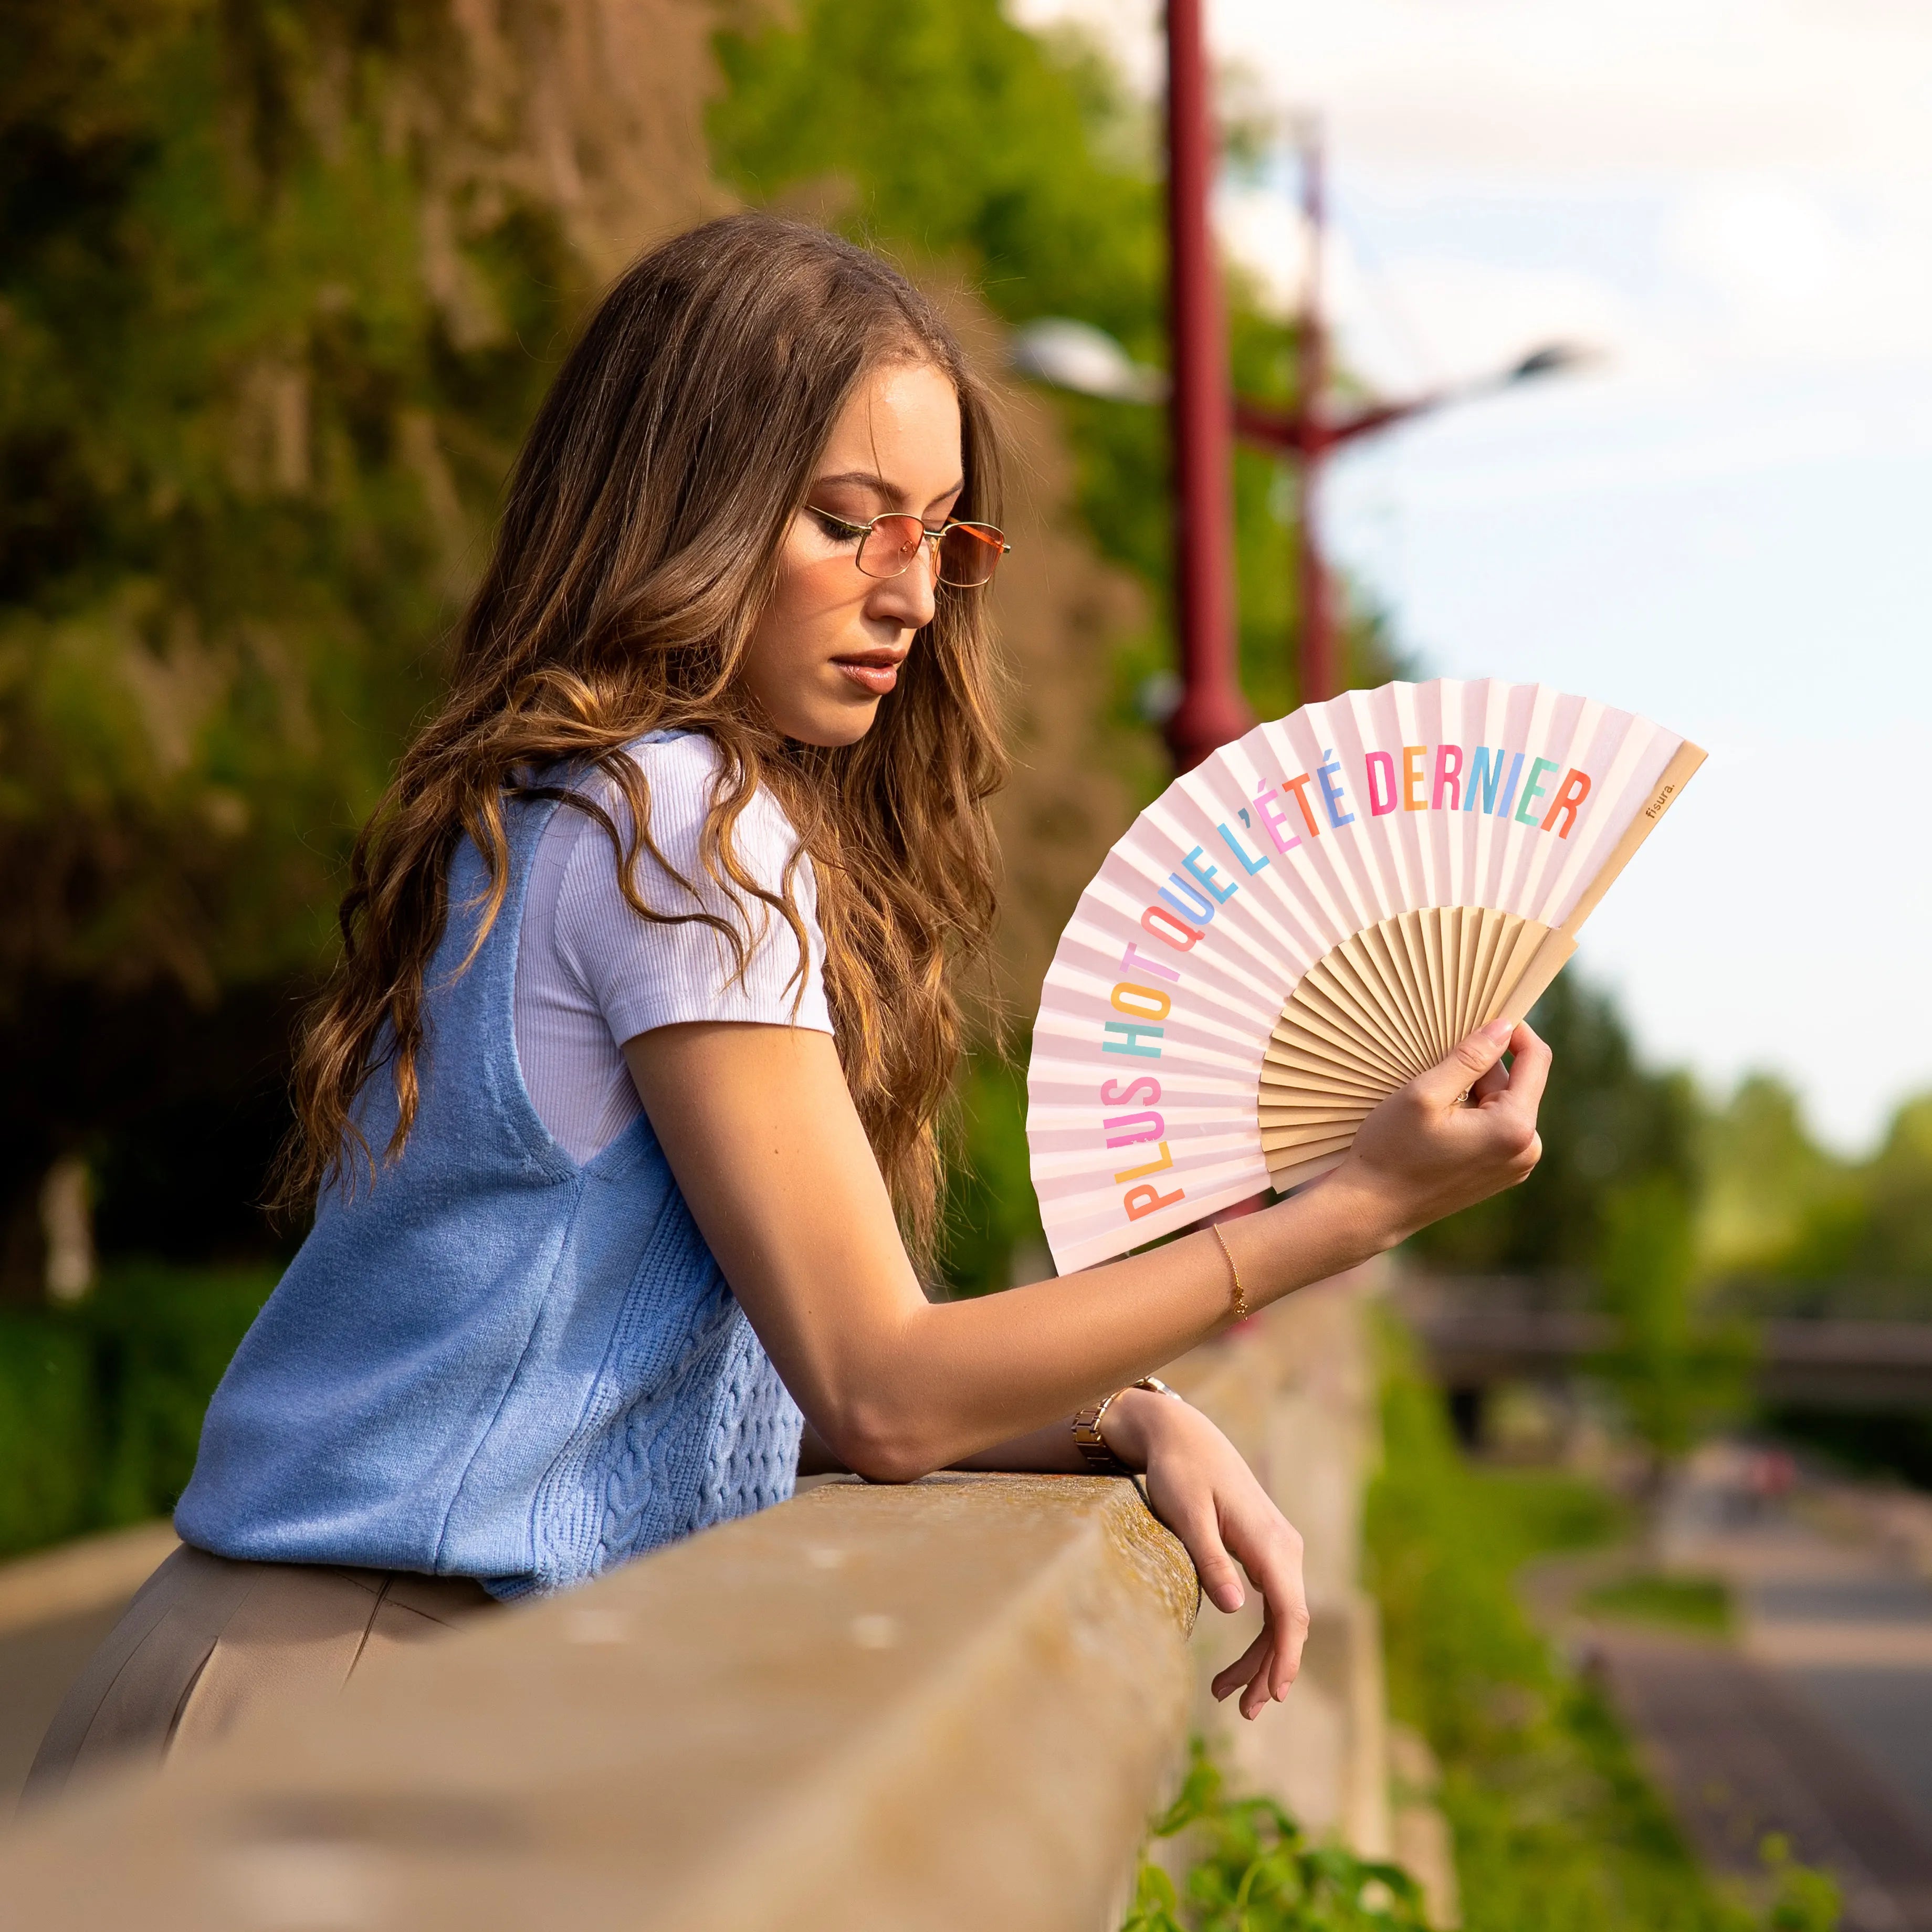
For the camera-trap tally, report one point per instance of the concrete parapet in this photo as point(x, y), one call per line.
point(951, 1704)
point(80, 1577)
point(55, 1608)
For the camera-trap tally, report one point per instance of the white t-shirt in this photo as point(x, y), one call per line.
point(592, 974)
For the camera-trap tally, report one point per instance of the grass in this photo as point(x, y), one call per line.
point(1701, 1604)
point(100, 1404)
point(1258, 1871)
point(1555, 1827)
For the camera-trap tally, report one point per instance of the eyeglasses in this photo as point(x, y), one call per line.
point(968, 553)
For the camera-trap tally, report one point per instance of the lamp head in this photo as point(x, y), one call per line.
point(1553, 358)
point(1075, 355)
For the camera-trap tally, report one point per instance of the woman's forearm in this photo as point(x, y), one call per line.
point(964, 1376)
point(774, 1164)
point(1049, 1450)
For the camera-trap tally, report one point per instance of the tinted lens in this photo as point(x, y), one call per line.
point(890, 546)
point(969, 553)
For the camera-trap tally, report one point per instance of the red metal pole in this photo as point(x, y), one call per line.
point(1212, 710)
point(1318, 667)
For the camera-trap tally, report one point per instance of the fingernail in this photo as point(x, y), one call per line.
point(1497, 1031)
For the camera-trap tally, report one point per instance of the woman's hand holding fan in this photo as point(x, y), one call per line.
point(1453, 1136)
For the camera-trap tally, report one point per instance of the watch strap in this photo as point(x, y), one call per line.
point(1092, 1445)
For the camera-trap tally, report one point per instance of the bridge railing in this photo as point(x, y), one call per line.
point(953, 1703)
point(1480, 1330)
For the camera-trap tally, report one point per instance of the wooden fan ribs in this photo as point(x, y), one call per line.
point(1384, 1005)
point(1321, 1013)
point(1349, 978)
point(1379, 949)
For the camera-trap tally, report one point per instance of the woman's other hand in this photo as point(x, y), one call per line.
point(1201, 1488)
point(1455, 1136)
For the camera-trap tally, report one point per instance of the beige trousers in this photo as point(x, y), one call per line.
point(207, 1638)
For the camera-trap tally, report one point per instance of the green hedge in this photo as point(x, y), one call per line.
point(100, 1405)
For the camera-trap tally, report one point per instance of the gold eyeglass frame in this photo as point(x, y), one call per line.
point(989, 534)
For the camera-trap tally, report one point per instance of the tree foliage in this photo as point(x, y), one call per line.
point(248, 426)
point(1790, 1227)
point(1676, 1370)
point(277, 298)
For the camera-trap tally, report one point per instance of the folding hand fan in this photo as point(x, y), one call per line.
point(1306, 921)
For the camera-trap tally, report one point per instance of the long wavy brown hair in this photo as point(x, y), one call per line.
point(639, 543)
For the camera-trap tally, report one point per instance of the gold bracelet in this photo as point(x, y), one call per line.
point(1092, 1445)
point(1242, 1310)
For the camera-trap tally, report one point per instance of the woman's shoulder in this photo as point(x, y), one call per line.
point(683, 771)
point(676, 753)
point(650, 973)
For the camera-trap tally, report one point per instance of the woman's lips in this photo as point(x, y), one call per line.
point(876, 676)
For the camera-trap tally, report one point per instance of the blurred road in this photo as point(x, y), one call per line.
point(1817, 1722)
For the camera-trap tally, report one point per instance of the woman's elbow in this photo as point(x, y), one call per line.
point(881, 1446)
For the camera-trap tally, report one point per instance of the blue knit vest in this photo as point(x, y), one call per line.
point(493, 1362)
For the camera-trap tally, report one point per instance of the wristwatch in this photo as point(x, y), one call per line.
point(1092, 1445)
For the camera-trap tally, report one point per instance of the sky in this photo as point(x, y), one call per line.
point(1725, 522)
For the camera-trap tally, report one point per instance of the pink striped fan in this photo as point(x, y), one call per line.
point(1307, 920)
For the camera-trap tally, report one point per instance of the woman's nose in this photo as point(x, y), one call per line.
point(909, 597)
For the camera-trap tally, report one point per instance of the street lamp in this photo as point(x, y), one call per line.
point(1077, 357)
point(1308, 435)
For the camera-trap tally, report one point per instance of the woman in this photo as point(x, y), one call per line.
point(619, 1113)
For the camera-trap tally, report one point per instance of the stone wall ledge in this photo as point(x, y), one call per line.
point(951, 1704)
